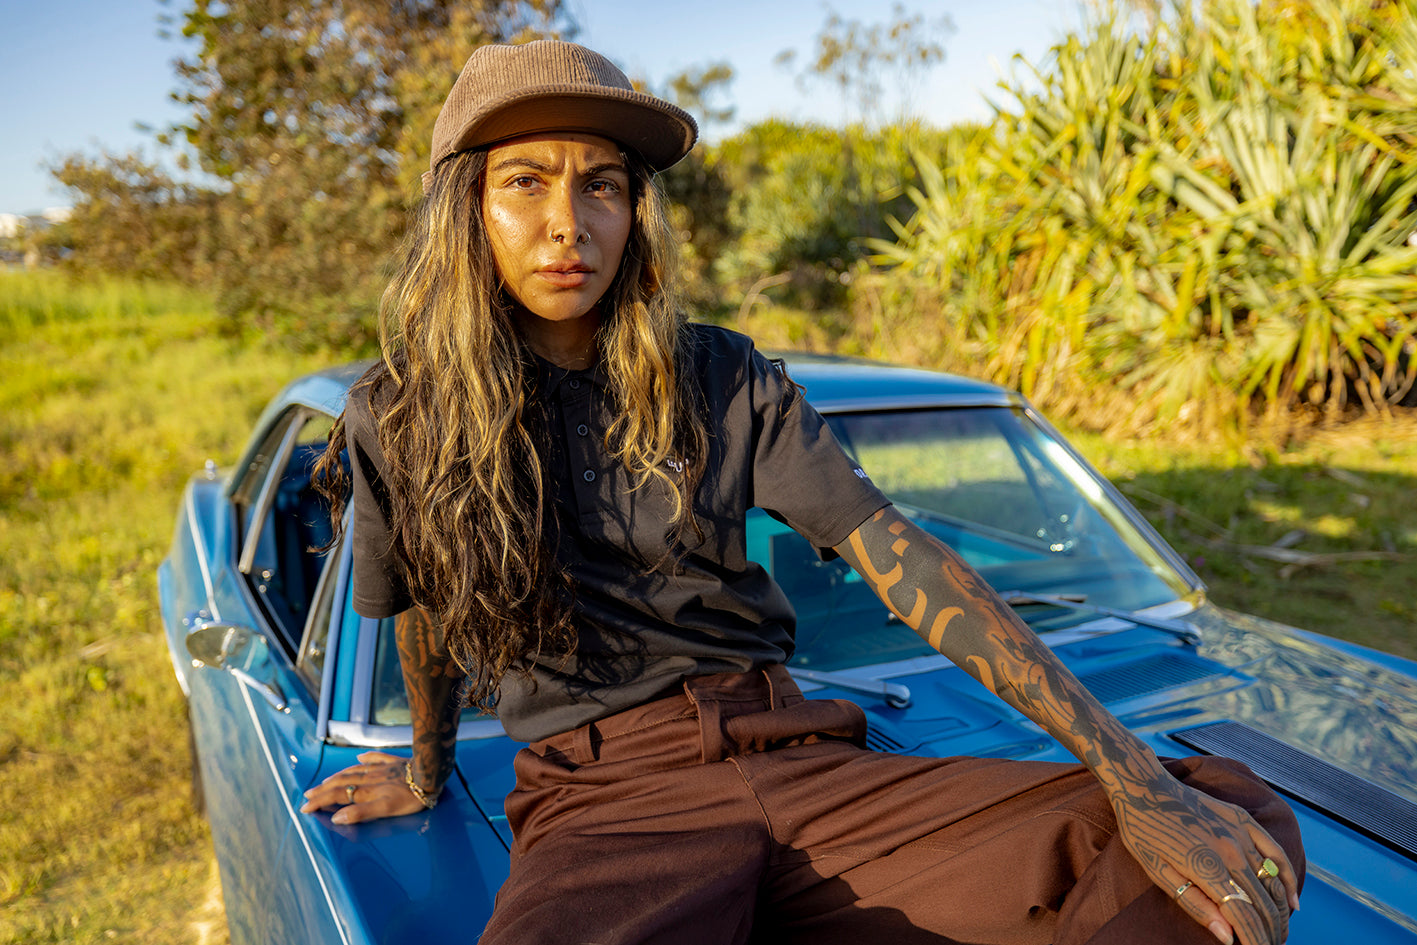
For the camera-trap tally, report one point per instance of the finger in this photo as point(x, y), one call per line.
point(1192, 898)
point(383, 802)
point(1255, 915)
point(380, 757)
point(1223, 910)
point(327, 794)
point(374, 767)
point(1288, 876)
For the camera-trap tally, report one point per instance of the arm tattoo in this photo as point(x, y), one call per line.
point(433, 682)
point(944, 600)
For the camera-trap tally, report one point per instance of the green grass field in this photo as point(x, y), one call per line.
point(111, 394)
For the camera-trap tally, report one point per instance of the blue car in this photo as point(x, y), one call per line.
point(286, 684)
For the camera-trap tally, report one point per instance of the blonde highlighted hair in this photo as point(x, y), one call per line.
point(466, 476)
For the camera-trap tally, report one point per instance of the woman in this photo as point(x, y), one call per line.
point(551, 469)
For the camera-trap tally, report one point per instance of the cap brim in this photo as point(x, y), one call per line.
point(662, 133)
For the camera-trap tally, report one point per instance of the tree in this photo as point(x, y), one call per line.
point(131, 217)
point(696, 190)
point(698, 87)
point(856, 58)
point(315, 118)
point(802, 199)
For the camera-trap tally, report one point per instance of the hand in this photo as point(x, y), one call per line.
point(372, 789)
point(1211, 852)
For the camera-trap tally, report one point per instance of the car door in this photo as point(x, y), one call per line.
point(255, 725)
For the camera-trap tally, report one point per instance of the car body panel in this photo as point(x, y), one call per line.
point(1330, 724)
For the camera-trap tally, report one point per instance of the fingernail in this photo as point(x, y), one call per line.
point(339, 817)
point(1222, 931)
point(1293, 903)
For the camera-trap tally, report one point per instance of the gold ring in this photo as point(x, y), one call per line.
point(349, 790)
point(1237, 894)
point(1268, 869)
point(1181, 890)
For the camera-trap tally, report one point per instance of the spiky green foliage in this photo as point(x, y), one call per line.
point(802, 198)
point(1213, 217)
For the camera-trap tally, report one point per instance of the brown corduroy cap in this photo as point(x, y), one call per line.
point(549, 85)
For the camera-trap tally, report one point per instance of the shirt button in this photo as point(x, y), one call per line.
point(588, 475)
point(582, 429)
point(575, 384)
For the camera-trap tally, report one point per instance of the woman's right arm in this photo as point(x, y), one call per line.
point(433, 682)
point(379, 786)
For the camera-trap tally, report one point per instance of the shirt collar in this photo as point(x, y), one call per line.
point(549, 377)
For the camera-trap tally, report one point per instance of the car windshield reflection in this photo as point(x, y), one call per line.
point(999, 490)
point(988, 482)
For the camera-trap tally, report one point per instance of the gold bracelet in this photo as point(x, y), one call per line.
point(428, 802)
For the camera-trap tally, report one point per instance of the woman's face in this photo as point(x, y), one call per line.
point(558, 213)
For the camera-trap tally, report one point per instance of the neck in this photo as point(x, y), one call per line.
point(569, 344)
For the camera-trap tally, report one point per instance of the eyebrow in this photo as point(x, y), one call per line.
point(535, 165)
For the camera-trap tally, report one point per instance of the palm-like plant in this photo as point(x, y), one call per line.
point(1212, 217)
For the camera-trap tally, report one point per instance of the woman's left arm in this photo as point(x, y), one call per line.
point(1178, 834)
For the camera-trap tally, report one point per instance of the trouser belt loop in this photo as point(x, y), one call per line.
point(582, 749)
point(710, 729)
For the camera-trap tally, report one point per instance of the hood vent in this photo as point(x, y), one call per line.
point(1145, 676)
point(1371, 810)
point(878, 739)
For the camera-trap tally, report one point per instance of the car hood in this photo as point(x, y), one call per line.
point(1350, 708)
point(1331, 726)
point(421, 877)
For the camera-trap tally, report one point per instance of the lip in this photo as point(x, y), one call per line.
point(566, 275)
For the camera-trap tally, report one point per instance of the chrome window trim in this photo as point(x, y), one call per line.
point(340, 564)
point(267, 496)
point(914, 402)
point(361, 684)
point(364, 735)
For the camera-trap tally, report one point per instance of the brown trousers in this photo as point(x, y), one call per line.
point(739, 812)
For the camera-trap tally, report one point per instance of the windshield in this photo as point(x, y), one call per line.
point(987, 482)
point(998, 490)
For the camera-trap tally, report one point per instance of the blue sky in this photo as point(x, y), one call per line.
point(81, 75)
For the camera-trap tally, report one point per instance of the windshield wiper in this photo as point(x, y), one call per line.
point(1184, 631)
point(894, 695)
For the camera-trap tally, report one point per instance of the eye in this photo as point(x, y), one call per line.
point(603, 185)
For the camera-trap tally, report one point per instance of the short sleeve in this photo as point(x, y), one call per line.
point(801, 475)
point(379, 588)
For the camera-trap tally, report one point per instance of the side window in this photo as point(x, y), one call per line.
point(285, 523)
point(310, 663)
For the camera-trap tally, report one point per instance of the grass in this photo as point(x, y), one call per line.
point(1320, 534)
point(111, 394)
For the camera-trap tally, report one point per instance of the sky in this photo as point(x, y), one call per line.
point(87, 75)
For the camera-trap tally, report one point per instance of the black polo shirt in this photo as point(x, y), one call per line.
point(645, 618)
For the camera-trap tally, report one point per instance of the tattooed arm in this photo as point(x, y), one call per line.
point(1178, 835)
point(433, 682)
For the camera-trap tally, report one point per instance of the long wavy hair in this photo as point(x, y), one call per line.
point(465, 473)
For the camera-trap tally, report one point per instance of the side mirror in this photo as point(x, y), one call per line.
point(238, 651)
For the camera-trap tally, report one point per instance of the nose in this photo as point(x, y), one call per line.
point(566, 216)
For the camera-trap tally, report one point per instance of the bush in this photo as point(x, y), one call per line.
point(1212, 219)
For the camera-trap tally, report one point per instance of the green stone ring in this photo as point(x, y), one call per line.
point(1268, 869)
